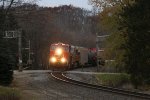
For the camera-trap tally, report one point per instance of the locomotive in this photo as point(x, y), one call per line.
point(65, 56)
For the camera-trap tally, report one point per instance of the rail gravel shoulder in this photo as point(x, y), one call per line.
point(62, 77)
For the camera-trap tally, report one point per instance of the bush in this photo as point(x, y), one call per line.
point(113, 79)
point(6, 72)
point(109, 66)
point(9, 94)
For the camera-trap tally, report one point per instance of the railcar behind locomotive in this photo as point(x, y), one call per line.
point(65, 56)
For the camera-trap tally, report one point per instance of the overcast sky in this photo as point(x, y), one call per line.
point(76, 3)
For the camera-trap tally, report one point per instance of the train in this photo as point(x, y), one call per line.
point(66, 56)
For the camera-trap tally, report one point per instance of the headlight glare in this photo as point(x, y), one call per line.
point(63, 60)
point(58, 51)
point(53, 59)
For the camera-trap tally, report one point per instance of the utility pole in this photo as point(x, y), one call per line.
point(99, 39)
point(97, 49)
point(20, 50)
point(29, 60)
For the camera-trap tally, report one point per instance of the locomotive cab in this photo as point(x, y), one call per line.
point(59, 55)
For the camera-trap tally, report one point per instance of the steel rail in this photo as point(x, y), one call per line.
point(60, 76)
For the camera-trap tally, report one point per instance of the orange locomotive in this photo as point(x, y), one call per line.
point(66, 56)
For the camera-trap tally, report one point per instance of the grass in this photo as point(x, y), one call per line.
point(7, 93)
point(113, 79)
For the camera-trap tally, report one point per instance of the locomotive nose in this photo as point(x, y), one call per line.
point(58, 51)
point(53, 59)
point(63, 60)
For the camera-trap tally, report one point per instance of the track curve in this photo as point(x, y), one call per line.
point(61, 76)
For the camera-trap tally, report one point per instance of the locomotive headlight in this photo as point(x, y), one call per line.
point(63, 60)
point(53, 59)
point(58, 51)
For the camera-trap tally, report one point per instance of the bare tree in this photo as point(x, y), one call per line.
point(101, 4)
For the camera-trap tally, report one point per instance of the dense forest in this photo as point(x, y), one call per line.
point(128, 23)
point(46, 25)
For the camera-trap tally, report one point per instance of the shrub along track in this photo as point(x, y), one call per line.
point(61, 76)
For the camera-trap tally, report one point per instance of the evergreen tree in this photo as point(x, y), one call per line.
point(129, 29)
point(6, 56)
point(135, 26)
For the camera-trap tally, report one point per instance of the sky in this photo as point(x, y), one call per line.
point(76, 3)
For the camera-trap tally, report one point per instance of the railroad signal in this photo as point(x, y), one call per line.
point(16, 34)
point(11, 34)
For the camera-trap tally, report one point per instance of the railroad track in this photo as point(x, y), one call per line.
point(61, 76)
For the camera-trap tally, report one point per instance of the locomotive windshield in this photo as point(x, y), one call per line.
point(63, 47)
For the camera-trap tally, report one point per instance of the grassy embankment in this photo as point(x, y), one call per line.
point(119, 80)
point(113, 79)
point(7, 93)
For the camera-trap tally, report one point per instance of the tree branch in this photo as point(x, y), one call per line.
point(9, 7)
